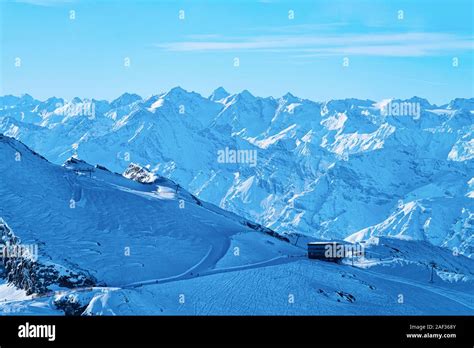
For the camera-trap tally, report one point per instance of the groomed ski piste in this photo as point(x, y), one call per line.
point(139, 244)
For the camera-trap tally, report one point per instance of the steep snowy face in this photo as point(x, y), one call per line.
point(331, 169)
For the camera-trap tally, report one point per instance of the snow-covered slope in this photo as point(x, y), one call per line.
point(336, 169)
point(116, 230)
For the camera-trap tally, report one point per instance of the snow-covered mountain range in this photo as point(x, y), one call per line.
point(139, 243)
point(339, 169)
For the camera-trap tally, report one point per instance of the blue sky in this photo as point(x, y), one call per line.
point(304, 55)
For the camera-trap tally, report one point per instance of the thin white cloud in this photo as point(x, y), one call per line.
point(297, 28)
point(394, 50)
point(395, 44)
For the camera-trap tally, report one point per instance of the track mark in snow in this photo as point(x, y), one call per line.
point(187, 275)
point(441, 292)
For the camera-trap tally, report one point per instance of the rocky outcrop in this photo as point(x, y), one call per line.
point(28, 273)
point(71, 305)
point(140, 174)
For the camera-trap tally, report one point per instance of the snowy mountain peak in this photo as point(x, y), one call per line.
point(53, 100)
point(289, 98)
point(125, 99)
point(26, 97)
point(288, 95)
point(178, 96)
point(244, 96)
point(461, 103)
point(342, 105)
point(219, 94)
point(422, 102)
point(176, 92)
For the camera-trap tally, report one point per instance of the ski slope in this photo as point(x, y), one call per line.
point(117, 230)
point(296, 287)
